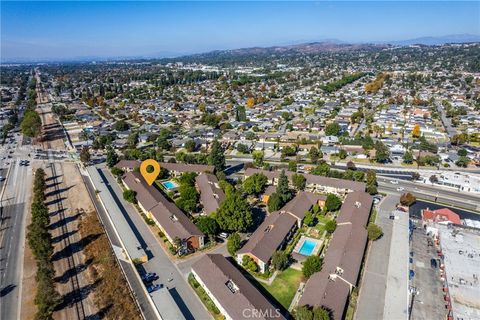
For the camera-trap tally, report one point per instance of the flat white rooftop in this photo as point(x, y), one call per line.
point(461, 250)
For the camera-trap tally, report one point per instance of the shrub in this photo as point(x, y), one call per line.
point(374, 231)
point(311, 265)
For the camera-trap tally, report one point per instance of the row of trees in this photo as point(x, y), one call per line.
point(31, 124)
point(40, 241)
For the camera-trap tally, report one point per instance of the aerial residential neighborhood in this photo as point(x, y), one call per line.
point(159, 163)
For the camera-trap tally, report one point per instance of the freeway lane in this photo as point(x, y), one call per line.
point(12, 234)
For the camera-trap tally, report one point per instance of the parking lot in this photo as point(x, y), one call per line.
point(428, 302)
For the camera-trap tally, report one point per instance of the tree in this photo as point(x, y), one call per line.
point(112, 157)
point(415, 176)
point(333, 202)
point(85, 155)
point(282, 187)
point(274, 202)
point(298, 181)
point(242, 148)
point(234, 213)
point(249, 264)
point(279, 260)
point(233, 243)
point(322, 169)
point(130, 196)
point(190, 145)
point(314, 154)
point(121, 125)
point(342, 154)
point(307, 313)
point(462, 152)
point(462, 161)
point(257, 156)
point(309, 219)
point(31, 124)
point(207, 225)
point(382, 153)
point(367, 143)
point(351, 165)
point(408, 158)
point(311, 265)
point(371, 182)
point(374, 231)
point(433, 179)
point(255, 183)
point(188, 198)
point(216, 156)
point(292, 166)
point(407, 199)
point(333, 129)
point(416, 132)
point(331, 226)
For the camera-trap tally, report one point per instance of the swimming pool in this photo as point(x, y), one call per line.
point(169, 185)
point(307, 247)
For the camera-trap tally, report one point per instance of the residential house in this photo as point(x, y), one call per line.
point(211, 195)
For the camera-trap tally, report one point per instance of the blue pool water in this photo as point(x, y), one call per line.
point(169, 185)
point(307, 247)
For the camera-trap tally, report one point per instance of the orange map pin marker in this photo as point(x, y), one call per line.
point(150, 176)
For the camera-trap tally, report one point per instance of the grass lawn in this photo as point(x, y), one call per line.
point(284, 287)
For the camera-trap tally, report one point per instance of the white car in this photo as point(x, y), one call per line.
point(394, 181)
point(400, 188)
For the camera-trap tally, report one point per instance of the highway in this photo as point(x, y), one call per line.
point(440, 194)
point(12, 237)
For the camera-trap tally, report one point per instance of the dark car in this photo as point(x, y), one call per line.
point(411, 274)
point(154, 287)
point(433, 263)
point(149, 277)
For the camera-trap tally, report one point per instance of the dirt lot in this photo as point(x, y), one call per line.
point(53, 136)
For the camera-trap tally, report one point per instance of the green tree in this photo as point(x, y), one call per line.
point(274, 202)
point(242, 148)
point(382, 153)
point(309, 219)
point(374, 231)
point(333, 202)
point(130, 196)
point(207, 225)
point(257, 156)
point(298, 181)
point(367, 143)
point(249, 264)
point(292, 166)
point(188, 198)
point(311, 265)
point(216, 156)
point(282, 187)
point(372, 182)
point(314, 154)
point(322, 169)
point(31, 124)
point(331, 226)
point(112, 157)
point(121, 125)
point(342, 154)
point(279, 260)
point(234, 213)
point(408, 158)
point(333, 129)
point(462, 161)
point(255, 183)
point(233, 243)
point(190, 145)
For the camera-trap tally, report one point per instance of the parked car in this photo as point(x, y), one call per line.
point(433, 263)
point(400, 188)
point(223, 235)
point(154, 287)
point(394, 181)
point(149, 277)
point(411, 274)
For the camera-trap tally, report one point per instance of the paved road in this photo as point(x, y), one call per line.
point(374, 282)
point(14, 205)
point(422, 190)
point(159, 261)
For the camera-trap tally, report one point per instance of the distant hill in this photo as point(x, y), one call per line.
point(431, 41)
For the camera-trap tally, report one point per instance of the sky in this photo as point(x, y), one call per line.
point(63, 30)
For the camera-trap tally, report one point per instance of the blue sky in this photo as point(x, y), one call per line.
point(75, 29)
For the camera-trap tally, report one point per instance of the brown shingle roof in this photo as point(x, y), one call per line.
point(312, 179)
point(345, 251)
point(172, 219)
point(215, 271)
point(183, 167)
point(302, 202)
point(211, 194)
